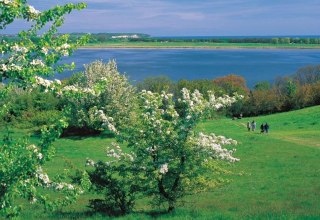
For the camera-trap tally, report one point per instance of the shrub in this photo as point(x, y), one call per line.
point(118, 186)
point(106, 94)
point(168, 159)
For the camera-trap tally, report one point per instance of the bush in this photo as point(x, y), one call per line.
point(106, 95)
point(42, 118)
point(27, 110)
point(156, 84)
point(168, 158)
point(117, 185)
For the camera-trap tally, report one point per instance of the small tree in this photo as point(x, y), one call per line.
point(101, 92)
point(262, 86)
point(232, 83)
point(156, 84)
point(168, 158)
point(34, 52)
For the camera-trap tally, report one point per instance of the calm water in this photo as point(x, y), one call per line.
point(253, 64)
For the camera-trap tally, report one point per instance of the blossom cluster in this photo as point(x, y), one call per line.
point(164, 168)
point(48, 85)
point(155, 104)
point(194, 104)
point(221, 102)
point(17, 48)
point(117, 153)
point(212, 146)
point(10, 67)
point(6, 2)
point(64, 49)
point(32, 11)
point(56, 85)
point(46, 182)
point(34, 149)
point(37, 62)
point(107, 122)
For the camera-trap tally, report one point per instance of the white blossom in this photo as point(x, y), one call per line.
point(106, 121)
point(32, 10)
point(65, 46)
point(212, 146)
point(90, 162)
point(164, 168)
point(63, 49)
point(44, 50)
point(59, 186)
point(6, 2)
point(18, 48)
point(40, 156)
point(57, 81)
point(44, 178)
point(43, 82)
point(33, 200)
point(15, 67)
point(37, 62)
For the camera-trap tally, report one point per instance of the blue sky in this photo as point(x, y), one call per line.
point(191, 17)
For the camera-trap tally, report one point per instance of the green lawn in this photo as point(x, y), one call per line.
point(209, 45)
point(278, 176)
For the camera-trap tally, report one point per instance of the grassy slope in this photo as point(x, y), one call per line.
point(279, 172)
point(196, 45)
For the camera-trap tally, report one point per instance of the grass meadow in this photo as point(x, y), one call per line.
point(278, 176)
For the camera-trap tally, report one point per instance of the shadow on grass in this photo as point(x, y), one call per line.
point(82, 133)
point(115, 214)
point(157, 213)
point(108, 215)
point(74, 215)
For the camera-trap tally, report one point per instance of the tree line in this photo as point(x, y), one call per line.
point(302, 89)
point(297, 91)
point(107, 37)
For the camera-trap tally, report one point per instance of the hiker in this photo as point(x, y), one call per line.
point(266, 128)
point(261, 128)
point(253, 125)
point(249, 125)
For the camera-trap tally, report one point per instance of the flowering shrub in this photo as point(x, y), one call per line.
point(35, 52)
point(21, 172)
point(102, 99)
point(168, 158)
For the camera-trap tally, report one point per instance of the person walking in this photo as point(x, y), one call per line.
point(253, 125)
point(249, 125)
point(266, 128)
point(262, 128)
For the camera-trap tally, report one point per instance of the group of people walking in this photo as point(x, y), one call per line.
point(264, 128)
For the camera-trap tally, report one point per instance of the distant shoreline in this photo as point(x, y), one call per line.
point(205, 48)
point(217, 47)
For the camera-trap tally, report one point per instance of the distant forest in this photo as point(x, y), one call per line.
point(138, 37)
point(302, 89)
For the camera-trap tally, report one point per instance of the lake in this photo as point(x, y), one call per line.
point(253, 64)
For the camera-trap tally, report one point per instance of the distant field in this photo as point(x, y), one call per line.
point(198, 45)
point(278, 176)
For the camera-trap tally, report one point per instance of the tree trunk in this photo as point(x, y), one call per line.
point(171, 206)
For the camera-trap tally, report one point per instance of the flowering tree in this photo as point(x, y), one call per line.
point(36, 52)
point(168, 158)
point(101, 99)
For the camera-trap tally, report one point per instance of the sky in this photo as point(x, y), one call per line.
point(190, 17)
